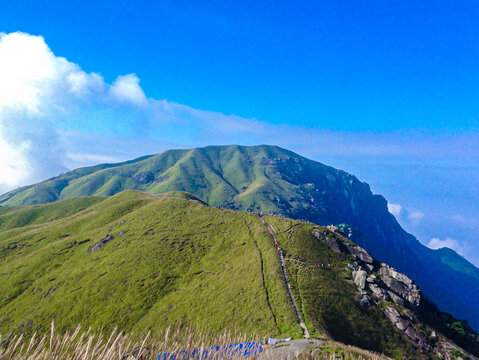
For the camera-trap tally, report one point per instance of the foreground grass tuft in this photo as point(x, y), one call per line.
point(86, 345)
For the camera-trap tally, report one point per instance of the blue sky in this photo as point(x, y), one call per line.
point(356, 65)
point(387, 90)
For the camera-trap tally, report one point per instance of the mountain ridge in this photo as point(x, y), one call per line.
point(271, 179)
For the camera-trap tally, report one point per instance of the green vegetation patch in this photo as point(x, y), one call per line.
point(169, 259)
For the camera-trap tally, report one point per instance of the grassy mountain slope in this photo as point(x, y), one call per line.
point(173, 260)
point(271, 179)
point(172, 263)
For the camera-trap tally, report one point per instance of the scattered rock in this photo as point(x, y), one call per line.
point(329, 241)
point(360, 253)
point(50, 292)
point(144, 177)
point(101, 244)
point(387, 270)
point(392, 314)
point(121, 233)
point(365, 302)
point(401, 285)
point(411, 333)
point(407, 328)
point(379, 293)
point(362, 291)
point(410, 315)
point(162, 178)
point(402, 325)
point(359, 278)
point(395, 298)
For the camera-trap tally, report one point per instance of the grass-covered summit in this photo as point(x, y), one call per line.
point(257, 177)
point(272, 179)
point(145, 262)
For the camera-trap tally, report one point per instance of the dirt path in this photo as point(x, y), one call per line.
point(290, 350)
point(285, 276)
point(262, 274)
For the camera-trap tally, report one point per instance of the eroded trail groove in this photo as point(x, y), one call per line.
point(262, 274)
point(285, 276)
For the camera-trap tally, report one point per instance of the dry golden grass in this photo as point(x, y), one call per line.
point(338, 351)
point(84, 345)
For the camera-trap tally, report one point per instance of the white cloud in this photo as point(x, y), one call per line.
point(406, 216)
point(25, 66)
point(415, 215)
point(436, 243)
point(14, 166)
point(127, 88)
point(83, 84)
point(395, 209)
point(42, 94)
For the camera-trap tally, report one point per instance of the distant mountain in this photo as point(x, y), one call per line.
point(147, 262)
point(275, 180)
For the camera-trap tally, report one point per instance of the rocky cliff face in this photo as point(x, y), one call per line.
point(399, 298)
point(339, 198)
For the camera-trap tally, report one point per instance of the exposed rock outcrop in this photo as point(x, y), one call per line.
point(398, 297)
point(365, 301)
point(379, 294)
point(101, 243)
point(359, 253)
point(359, 278)
point(406, 326)
point(380, 283)
point(144, 177)
point(401, 285)
point(329, 241)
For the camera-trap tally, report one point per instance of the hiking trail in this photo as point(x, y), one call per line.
point(283, 269)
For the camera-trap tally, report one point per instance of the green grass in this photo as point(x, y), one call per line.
point(217, 175)
point(178, 262)
point(458, 354)
point(15, 217)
